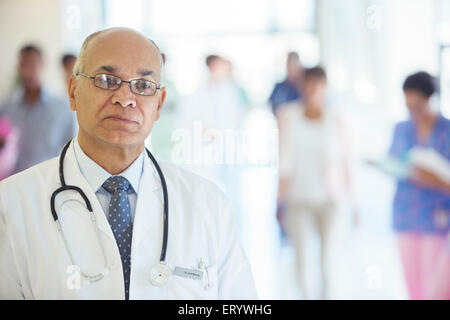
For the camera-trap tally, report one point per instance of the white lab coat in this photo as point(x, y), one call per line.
point(34, 263)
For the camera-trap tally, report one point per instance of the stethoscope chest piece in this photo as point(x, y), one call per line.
point(160, 274)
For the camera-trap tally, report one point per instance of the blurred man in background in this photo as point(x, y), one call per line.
point(217, 108)
point(282, 94)
point(288, 90)
point(44, 120)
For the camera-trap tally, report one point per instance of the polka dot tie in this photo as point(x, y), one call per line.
point(121, 222)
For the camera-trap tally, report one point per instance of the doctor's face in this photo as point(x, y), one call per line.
point(117, 117)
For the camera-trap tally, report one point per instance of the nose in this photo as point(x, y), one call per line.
point(124, 97)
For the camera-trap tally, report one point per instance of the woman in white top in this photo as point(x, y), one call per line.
point(314, 174)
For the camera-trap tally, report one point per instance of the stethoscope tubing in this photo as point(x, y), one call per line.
point(65, 187)
point(166, 207)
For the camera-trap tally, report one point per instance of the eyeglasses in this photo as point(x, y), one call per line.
point(109, 82)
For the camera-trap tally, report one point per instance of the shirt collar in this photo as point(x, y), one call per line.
point(96, 175)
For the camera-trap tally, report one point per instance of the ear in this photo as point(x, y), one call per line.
point(162, 98)
point(71, 92)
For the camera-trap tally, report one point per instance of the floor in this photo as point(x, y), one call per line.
point(367, 266)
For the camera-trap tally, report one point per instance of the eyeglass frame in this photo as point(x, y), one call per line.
point(158, 86)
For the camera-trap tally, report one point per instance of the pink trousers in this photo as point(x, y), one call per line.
point(426, 264)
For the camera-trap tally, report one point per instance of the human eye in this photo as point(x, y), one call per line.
point(144, 87)
point(106, 81)
point(112, 81)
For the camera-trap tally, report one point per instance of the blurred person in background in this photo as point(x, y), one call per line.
point(44, 120)
point(421, 206)
point(229, 74)
point(314, 177)
point(8, 147)
point(217, 108)
point(284, 92)
point(68, 61)
point(217, 105)
point(289, 89)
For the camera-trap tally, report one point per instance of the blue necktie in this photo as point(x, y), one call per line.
point(121, 222)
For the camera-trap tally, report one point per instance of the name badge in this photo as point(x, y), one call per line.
point(188, 273)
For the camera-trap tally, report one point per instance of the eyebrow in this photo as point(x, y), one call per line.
point(110, 69)
point(113, 69)
point(144, 73)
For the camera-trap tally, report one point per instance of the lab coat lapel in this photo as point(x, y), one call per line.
point(74, 177)
point(148, 220)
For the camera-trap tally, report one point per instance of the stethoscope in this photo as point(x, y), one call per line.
point(159, 273)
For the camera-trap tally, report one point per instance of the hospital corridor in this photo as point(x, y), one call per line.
point(212, 149)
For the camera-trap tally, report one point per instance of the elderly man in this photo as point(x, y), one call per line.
point(107, 233)
point(43, 119)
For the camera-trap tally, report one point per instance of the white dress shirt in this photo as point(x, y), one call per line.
point(96, 176)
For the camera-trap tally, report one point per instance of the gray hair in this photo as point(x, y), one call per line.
point(78, 67)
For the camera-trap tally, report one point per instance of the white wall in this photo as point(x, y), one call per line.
point(368, 48)
point(30, 21)
point(57, 26)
